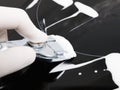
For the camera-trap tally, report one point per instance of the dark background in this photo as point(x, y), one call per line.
point(97, 37)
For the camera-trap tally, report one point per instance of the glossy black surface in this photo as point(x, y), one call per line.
point(97, 37)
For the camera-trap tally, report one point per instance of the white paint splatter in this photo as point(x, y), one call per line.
point(82, 8)
point(32, 4)
point(79, 73)
point(95, 71)
point(60, 74)
point(113, 65)
point(104, 70)
point(64, 3)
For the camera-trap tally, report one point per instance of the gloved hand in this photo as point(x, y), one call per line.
point(16, 58)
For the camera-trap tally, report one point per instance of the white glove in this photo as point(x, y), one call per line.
point(16, 58)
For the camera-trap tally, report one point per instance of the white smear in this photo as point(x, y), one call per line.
point(60, 74)
point(82, 8)
point(32, 4)
point(64, 3)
